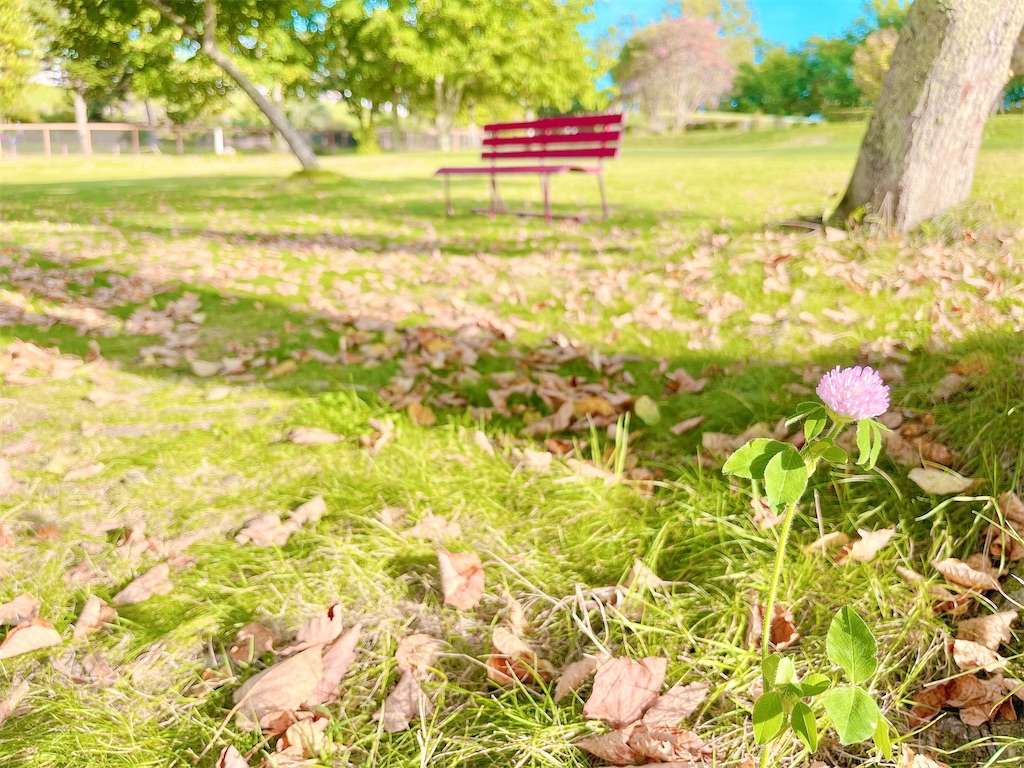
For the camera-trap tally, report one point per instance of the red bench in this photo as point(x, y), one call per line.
point(555, 144)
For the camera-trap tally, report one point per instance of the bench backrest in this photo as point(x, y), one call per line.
point(594, 137)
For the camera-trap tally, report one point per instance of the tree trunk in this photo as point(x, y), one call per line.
point(208, 43)
point(917, 159)
point(82, 120)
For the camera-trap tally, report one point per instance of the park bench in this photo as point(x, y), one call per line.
point(555, 144)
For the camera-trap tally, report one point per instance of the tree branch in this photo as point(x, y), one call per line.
point(174, 18)
point(210, 24)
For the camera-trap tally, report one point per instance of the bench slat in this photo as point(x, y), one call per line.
point(591, 137)
point(556, 122)
point(594, 152)
point(499, 169)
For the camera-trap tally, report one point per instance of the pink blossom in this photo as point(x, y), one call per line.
point(854, 393)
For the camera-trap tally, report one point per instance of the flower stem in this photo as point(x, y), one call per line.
point(769, 603)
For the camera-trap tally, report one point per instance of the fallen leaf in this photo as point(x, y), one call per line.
point(155, 581)
point(98, 670)
point(612, 746)
point(204, 368)
point(990, 631)
point(79, 574)
point(312, 436)
point(686, 425)
point(574, 675)
point(958, 572)
point(435, 528)
point(783, 630)
point(252, 640)
point(647, 411)
point(231, 758)
point(462, 578)
point(870, 543)
point(969, 655)
point(681, 382)
point(7, 482)
point(282, 687)
point(764, 517)
point(417, 654)
point(83, 472)
point(511, 659)
point(624, 690)
point(29, 636)
point(949, 385)
point(321, 630)
point(95, 613)
point(302, 739)
point(421, 414)
point(21, 609)
point(15, 693)
point(676, 704)
point(267, 531)
point(404, 704)
point(666, 745)
point(826, 542)
point(309, 512)
point(483, 443)
point(941, 482)
point(911, 759)
point(334, 665)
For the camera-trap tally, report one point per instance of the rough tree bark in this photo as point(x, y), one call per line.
point(208, 43)
point(918, 156)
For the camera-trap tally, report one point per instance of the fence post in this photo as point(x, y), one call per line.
point(46, 141)
point(179, 141)
point(135, 141)
point(218, 140)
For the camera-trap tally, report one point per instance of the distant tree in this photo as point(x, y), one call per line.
point(238, 36)
point(779, 85)
point(19, 59)
point(871, 62)
point(830, 72)
point(951, 62)
point(445, 57)
point(734, 18)
point(674, 67)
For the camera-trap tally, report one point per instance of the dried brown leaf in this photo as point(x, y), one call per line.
point(624, 690)
point(958, 572)
point(95, 613)
point(870, 543)
point(312, 436)
point(421, 414)
point(267, 531)
point(435, 528)
point(321, 630)
point(417, 654)
point(911, 759)
point(574, 675)
point(252, 640)
point(335, 664)
point(686, 425)
point(783, 629)
point(665, 744)
point(826, 542)
point(29, 636)
point(231, 758)
point(155, 581)
point(990, 631)
point(676, 704)
point(612, 746)
point(462, 578)
point(969, 655)
point(511, 659)
point(309, 512)
point(21, 609)
point(15, 693)
point(404, 704)
point(941, 482)
point(282, 687)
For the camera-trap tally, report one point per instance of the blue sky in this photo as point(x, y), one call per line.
point(789, 22)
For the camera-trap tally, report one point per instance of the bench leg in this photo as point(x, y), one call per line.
point(604, 199)
point(545, 182)
point(448, 210)
point(494, 196)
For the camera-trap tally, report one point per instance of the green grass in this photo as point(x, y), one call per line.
point(364, 261)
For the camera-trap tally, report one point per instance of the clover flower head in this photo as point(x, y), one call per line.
point(854, 393)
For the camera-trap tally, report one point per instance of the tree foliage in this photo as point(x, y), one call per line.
point(18, 55)
point(871, 62)
point(442, 58)
point(673, 67)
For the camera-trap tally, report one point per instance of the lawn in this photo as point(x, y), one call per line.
point(191, 314)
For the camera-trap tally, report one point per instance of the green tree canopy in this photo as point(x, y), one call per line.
point(19, 58)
